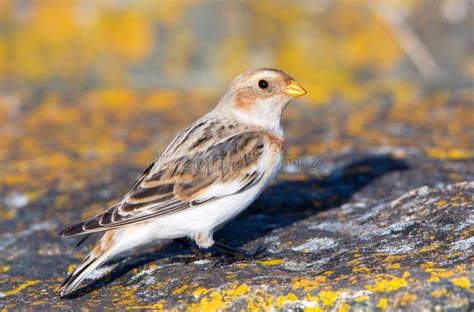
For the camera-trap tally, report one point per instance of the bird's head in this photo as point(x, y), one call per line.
point(260, 95)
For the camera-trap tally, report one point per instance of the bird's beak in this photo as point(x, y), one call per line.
point(295, 89)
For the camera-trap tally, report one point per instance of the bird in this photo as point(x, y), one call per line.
point(209, 173)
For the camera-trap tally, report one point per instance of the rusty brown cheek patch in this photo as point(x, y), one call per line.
point(245, 100)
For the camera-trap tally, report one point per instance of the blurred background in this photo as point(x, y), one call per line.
point(87, 84)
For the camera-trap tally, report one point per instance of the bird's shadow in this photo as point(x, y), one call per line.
point(284, 203)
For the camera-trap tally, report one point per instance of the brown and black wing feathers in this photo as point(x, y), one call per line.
point(183, 182)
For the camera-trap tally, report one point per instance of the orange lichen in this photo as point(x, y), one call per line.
point(344, 308)
point(439, 293)
point(407, 298)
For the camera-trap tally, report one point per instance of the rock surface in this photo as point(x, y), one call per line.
point(384, 220)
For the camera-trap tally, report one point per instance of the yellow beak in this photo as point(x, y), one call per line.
point(295, 89)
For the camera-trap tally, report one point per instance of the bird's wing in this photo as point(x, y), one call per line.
point(227, 167)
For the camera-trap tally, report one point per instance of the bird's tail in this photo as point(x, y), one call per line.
point(100, 254)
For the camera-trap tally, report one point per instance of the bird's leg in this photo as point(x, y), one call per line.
point(235, 254)
point(197, 252)
point(230, 251)
point(238, 253)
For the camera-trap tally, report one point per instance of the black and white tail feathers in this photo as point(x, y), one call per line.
point(99, 255)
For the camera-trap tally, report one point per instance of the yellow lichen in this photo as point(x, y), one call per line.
point(438, 273)
point(272, 262)
point(382, 303)
point(71, 268)
point(449, 154)
point(125, 295)
point(259, 300)
point(241, 290)
point(20, 287)
point(392, 258)
point(216, 300)
point(393, 266)
point(428, 264)
point(281, 300)
point(454, 255)
point(362, 298)
point(387, 283)
point(463, 282)
point(198, 292)
point(328, 297)
point(460, 268)
point(308, 284)
point(180, 289)
point(230, 275)
point(310, 298)
point(354, 262)
point(361, 270)
point(439, 293)
point(431, 247)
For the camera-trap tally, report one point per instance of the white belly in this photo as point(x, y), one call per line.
point(203, 218)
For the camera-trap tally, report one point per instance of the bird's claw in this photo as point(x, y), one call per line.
point(259, 253)
point(229, 259)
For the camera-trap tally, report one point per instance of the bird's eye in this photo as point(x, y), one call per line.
point(263, 84)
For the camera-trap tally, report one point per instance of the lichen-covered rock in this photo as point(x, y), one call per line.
point(374, 210)
point(362, 233)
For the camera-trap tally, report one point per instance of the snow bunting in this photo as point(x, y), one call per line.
point(209, 174)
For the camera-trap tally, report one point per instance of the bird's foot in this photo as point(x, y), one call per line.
point(230, 256)
point(233, 255)
point(198, 253)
